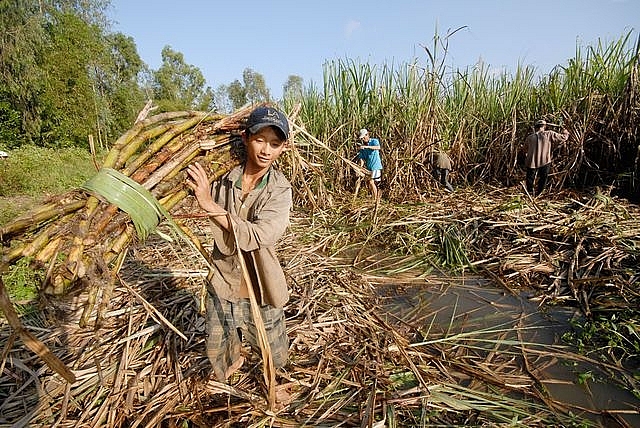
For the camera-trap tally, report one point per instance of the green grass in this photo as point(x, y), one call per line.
point(22, 281)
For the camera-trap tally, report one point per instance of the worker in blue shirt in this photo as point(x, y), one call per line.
point(369, 156)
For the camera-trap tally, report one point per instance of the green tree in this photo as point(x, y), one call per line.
point(120, 82)
point(237, 94)
point(292, 89)
point(178, 85)
point(61, 74)
point(22, 40)
point(93, 12)
point(207, 100)
point(71, 63)
point(255, 86)
point(76, 63)
point(252, 89)
point(222, 100)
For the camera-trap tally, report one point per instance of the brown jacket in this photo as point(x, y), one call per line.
point(257, 228)
point(538, 147)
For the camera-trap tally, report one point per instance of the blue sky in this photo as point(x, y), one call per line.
point(278, 38)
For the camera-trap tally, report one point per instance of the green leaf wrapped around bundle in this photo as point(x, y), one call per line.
point(145, 211)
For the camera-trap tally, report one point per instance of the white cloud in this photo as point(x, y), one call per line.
point(351, 27)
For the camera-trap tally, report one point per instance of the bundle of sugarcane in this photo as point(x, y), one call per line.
point(80, 238)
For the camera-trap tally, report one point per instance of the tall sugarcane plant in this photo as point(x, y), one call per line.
point(481, 116)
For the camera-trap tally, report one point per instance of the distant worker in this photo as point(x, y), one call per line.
point(441, 169)
point(538, 160)
point(369, 156)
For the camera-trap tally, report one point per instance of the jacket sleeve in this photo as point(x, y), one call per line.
point(557, 137)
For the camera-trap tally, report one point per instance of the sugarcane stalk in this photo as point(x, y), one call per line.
point(116, 224)
point(160, 158)
point(188, 153)
point(34, 247)
point(74, 263)
point(164, 185)
point(202, 294)
point(89, 304)
point(158, 168)
point(268, 368)
point(100, 223)
point(120, 244)
point(92, 206)
point(221, 157)
point(107, 292)
point(49, 250)
point(64, 278)
point(57, 285)
point(39, 242)
point(43, 247)
point(39, 215)
point(228, 123)
point(158, 144)
point(176, 177)
point(138, 141)
point(169, 201)
point(215, 143)
point(13, 254)
point(127, 137)
point(102, 278)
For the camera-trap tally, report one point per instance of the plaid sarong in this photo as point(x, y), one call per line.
point(229, 322)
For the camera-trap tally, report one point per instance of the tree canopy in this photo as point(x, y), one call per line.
point(65, 77)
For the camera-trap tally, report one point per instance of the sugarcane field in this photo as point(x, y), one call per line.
point(476, 303)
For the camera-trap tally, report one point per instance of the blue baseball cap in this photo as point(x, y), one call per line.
point(268, 116)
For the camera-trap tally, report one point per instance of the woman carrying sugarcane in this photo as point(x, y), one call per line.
point(249, 208)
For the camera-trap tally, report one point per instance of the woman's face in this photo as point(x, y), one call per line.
point(263, 147)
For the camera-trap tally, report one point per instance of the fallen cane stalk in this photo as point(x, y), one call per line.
point(28, 338)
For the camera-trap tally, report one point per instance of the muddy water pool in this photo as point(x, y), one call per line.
point(474, 313)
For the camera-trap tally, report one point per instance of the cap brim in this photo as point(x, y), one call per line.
point(255, 128)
